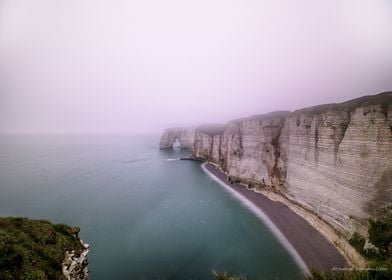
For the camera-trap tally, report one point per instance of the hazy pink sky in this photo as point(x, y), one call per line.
point(139, 66)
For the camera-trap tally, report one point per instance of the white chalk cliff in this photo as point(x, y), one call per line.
point(75, 264)
point(185, 136)
point(333, 160)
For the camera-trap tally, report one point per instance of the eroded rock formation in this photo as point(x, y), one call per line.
point(333, 160)
point(184, 135)
point(75, 264)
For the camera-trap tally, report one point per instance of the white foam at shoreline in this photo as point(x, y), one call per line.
point(262, 216)
point(172, 159)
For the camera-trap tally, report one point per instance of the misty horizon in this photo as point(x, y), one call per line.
point(114, 67)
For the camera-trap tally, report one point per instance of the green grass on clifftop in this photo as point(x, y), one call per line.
point(34, 249)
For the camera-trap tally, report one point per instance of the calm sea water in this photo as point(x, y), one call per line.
point(145, 215)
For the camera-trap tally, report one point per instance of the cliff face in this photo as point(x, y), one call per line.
point(250, 150)
point(334, 160)
point(339, 164)
point(184, 135)
point(75, 264)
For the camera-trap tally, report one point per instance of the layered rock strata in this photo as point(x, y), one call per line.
point(334, 160)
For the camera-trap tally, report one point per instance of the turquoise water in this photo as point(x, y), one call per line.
point(144, 215)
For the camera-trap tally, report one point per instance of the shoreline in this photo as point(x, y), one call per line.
point(291, 228)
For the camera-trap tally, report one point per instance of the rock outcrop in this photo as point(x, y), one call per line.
point(184, 135)
point(75, 264)
point(333, 160)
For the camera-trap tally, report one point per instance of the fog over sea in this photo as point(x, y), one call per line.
point(145, 214)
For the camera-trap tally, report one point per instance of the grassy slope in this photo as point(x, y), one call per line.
point(34, 249)
point(384, 99)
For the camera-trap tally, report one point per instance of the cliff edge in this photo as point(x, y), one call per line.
point(37, 249)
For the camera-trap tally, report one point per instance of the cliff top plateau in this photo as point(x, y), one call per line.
point(35, 249)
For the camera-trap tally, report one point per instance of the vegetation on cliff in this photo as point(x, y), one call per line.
point(34, 249)
point(384, 99)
